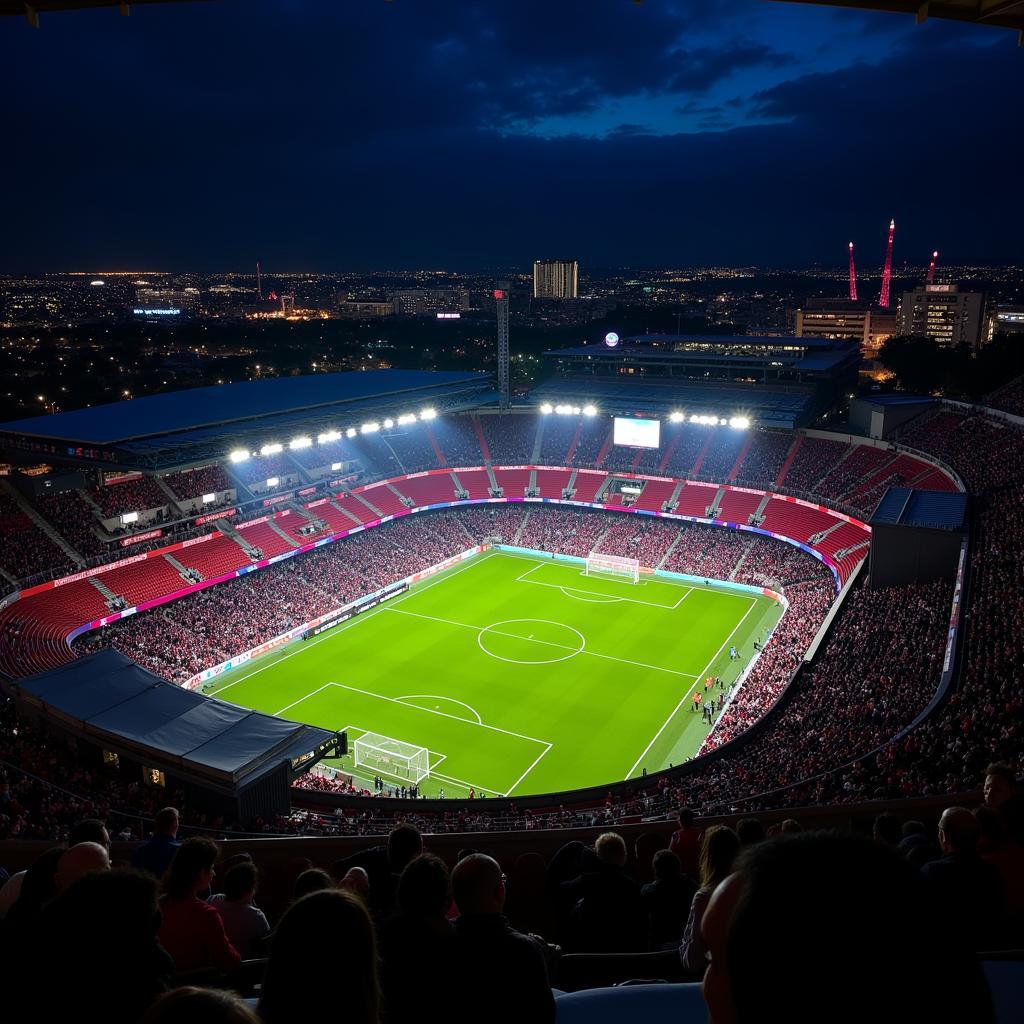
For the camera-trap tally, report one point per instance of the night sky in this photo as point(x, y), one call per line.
point(358, 135)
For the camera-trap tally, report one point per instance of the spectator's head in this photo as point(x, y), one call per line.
point(790, 827)
point(191, 871)
point(958, 831)
point(750, 831)
point(425, 890)
point(666, 865)
point(356, 880)
point(685, 817)
point(1000, 784)
point(914, 828)
point(240, 882)
point(610, 849)
point(312, 880)
point(191, 1005)
point(166, 822)
point(887, 829)
point(478, 885)
point(90, 830)
point(330, 918)
point(80, 860)
point(840, 907)
point(718, 850)
point(404, 844)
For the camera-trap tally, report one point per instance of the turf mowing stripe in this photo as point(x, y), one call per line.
point(686, 696)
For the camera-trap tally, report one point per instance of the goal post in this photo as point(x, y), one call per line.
point(392, 757)
point(613, 565)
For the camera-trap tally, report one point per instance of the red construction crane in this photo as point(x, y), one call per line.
point(853, 276)
point(883, 299)
point(931, 268)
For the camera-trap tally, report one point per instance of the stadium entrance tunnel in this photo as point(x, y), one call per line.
point(530, 641)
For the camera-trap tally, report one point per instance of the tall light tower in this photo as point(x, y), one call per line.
point(883, 299)
point(853, 276)
point(931, 268)
point(501, 302)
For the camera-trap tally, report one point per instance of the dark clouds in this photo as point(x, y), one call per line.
point(339, 135)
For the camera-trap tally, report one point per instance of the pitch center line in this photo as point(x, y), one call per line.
point(546, 643)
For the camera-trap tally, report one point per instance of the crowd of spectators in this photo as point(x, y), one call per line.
point(889, 926)
point(258, 469)
point(813, 459)
point(765, 458)
point(75, 519)
point(707, 551)
point(134, 495)
point(457, 438)
point(1009, 398)
point(510, 439)
point(194, 483)
point(26, 550)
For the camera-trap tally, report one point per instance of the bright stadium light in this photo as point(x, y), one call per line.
point(239, 455)
point(351, 432)
point(406, 419)
point(563, 410)
point(271, 449)
point(428, 414)
point(328, 436)
point(589, 410)
point(299, 442)
point(576, 410)
point(676, 417)
point(369, 428)
point(739, 423)
point(547, 408)
point(273, 481)
point(389, 423)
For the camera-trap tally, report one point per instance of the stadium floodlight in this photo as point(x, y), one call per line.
point(328, 436)
point(563, 410)
point(369, 428)
point(428, 414)
point(406, 418)
point(389, 423)
point(299, 442)
point(589, 410)
point(547, 408)
point(271, 449)
point(273, 481)
point(351, 432)
point(239, 455)
point(676, 417)
point(576, 410)
point(739, 423)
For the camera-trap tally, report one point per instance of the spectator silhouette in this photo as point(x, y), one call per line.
point(189, 1005)
point(718, 852)
point(155, 855)
point(245, 925)
point(842, 908)
point(667, 900)
point(292, 992)
point(502, 974)
point(685, 842)
point(384, 865)
point(191, 930)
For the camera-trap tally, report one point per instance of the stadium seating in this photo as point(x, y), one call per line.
point(196, 482)
point(27, 550)
point(133, 495)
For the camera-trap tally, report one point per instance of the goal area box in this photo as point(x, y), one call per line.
point(392, 757)
point(612, 565)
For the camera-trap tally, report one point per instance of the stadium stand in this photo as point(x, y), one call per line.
point(194, 483)
point(27, 550)
point(133, 495)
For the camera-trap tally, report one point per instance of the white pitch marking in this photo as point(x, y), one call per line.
point(301, 699)
point(435, 696)
point(685, 697)
point(508, 792)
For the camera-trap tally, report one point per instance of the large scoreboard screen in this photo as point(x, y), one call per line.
point(632, 433)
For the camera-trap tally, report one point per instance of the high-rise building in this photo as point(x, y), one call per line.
point(556, 279)
point(1009, 320)
point(950, 316)
point(868, 325)
point(428, 301)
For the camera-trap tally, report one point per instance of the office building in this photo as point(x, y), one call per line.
point(556, 279)
point(847, 319)
point(950, 316)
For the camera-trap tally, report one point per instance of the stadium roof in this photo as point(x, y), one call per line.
point(723, 340)
point(999, 13)
point(110, 697)
point(937, 510)
point(897, 400)
point(223, 404)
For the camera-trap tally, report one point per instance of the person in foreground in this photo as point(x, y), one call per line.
point(502, 973)
point(821, 926)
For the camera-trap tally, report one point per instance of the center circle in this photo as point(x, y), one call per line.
point(530, 641)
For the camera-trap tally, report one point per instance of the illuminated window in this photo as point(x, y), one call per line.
point(154, 777)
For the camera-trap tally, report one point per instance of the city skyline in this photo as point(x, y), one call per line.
point(487, 136)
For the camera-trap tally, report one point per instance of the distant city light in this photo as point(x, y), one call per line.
point(239, 455)
point(98, 283)
point(611, 339)
point(299, 442)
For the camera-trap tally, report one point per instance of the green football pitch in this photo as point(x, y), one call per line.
point(518, 675)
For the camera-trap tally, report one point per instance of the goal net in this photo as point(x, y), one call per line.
point(613, 565)
point(392, 757)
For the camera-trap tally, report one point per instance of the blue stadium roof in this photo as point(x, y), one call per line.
point(937, 510)
point(897, 400)
point(216, 406)
point(109, 695)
